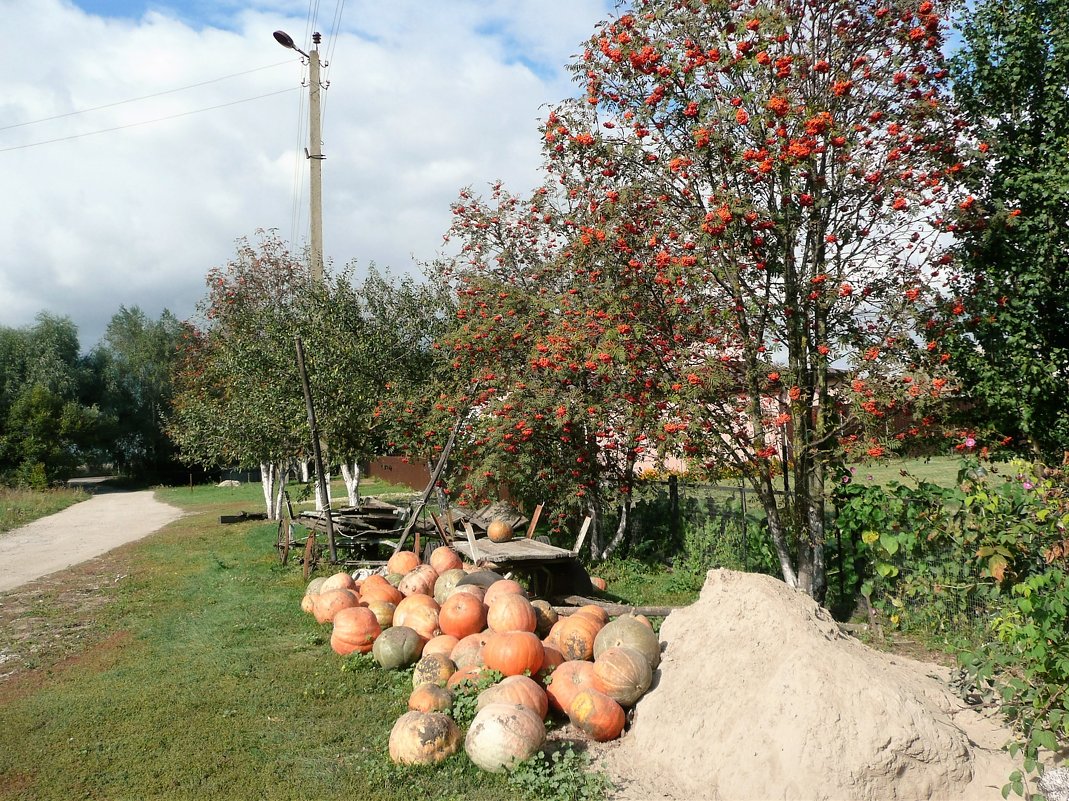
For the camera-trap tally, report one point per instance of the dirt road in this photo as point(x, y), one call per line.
point(78, 533)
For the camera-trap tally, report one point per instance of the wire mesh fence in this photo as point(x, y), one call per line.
point(937, 586)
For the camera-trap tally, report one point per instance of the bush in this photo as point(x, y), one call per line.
point(997, 544)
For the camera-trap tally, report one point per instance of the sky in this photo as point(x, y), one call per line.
point(140, 140)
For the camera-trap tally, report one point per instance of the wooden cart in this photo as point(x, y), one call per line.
point(551, 572)
point(364, 536)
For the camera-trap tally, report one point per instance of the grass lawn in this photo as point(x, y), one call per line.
point(204, 680)
point(941, 470)
point(21, 506)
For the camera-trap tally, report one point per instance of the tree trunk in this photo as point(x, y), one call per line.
point(268, 475)
point(283, 478)
point(306, 476)
point(350, 473)
point(321, 502)
point(621, 530)
point(776, 531)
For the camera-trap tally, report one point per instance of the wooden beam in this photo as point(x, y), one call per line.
point(578, 601)
point(534, 521)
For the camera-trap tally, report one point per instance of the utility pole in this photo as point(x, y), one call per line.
point(315, 154)
point(314, 151)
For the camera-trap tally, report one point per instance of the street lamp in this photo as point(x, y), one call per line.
point(314, 150)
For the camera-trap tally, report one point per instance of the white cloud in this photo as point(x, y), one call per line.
point(424, 98)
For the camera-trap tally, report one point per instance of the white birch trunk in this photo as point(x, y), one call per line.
point(305, 473)
point(350, 473)
point(320, 501)
point(283, 477)
point(267, 482)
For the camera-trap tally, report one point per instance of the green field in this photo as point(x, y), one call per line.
point(206, 681)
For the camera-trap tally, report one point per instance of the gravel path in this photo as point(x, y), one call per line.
point(78, 533)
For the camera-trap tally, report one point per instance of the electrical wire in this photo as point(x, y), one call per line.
point(145, 122)
point(142, 97)
point(332, 43)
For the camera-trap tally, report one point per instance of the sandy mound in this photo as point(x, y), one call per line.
point(760, 696)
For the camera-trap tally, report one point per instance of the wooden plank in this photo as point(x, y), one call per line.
point(473, 550)
point(448, 540)
point(582, 536)
point(534, 521)
point(577, 601)
point(517, 550)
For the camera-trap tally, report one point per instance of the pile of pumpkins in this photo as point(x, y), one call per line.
point(452, 623)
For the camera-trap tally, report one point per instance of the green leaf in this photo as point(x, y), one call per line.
point(889, 543)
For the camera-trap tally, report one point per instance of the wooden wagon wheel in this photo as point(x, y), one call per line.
point(284, 541)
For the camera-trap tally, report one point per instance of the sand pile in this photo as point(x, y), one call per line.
point(760, 696)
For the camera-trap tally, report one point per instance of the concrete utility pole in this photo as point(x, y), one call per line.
point(314, 150)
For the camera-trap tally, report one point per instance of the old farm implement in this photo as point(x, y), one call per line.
point(365, 536)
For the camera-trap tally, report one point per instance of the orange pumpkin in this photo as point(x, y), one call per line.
point(499, 531)
point(355, 630)
point(470, 673)
point(328, 604)
point(442, 644)
point(567, 681)
point(577, 635)
point(407, 604)
point(308, 603)
point(419, 581)
point(444, 558)
point(514, 652)
point(511, 613)
point(600, 717)
point(339, 581)
point(430, 698)
point(550, 661)
point(623, 674)
point(553, 638)
point(374, 579)
point(593, 611)
point(516, 690)
point(469, 650)
point(501, 588)
point(461, 615)
point(421, 619)
point(599, 583)
point(380, 591)
point(402, 562)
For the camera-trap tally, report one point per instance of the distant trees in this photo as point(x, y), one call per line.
point(238, 394)
point(1008, 314)
point(135, 360)
point(61, 409)
point(50, 416)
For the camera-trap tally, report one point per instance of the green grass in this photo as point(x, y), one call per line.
point(21, 506)
point(214, 684)
point(941, 470)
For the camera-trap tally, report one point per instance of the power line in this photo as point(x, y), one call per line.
point(145, 122)
point(143, 97)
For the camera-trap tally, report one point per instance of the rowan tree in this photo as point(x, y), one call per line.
point(566, 396)
point(762, 192)
point(801, 157)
